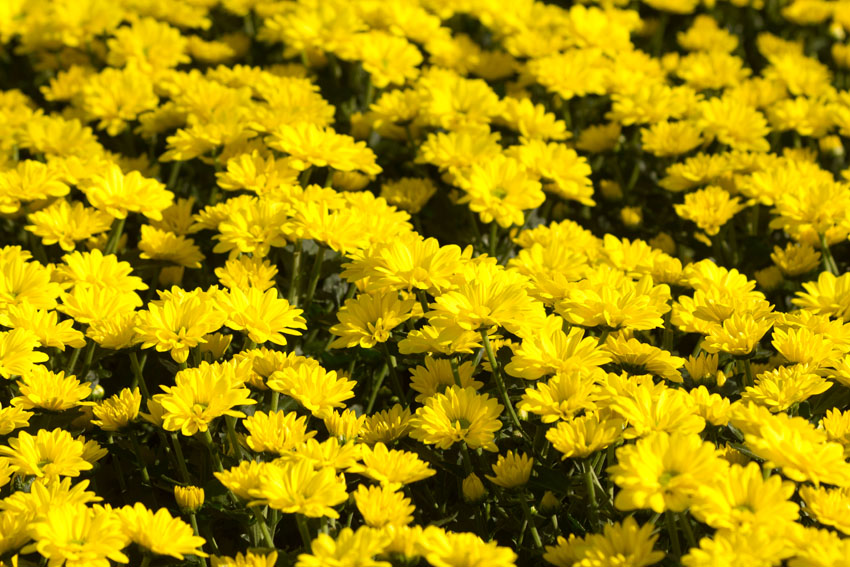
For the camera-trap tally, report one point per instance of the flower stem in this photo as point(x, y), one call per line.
point(828, 260)
point(264, 527)
point(394, 381)
point(674, 535)
point(314, 278)
point(494, 234)
point(72, 362)
point(500, 385)
point(114, 236)
point(181, 460)
point(134, 439)
point(530, 522)
point(194, 521)
point(305, 533)
point(208, 441)
point(138, 376)
point(593, 511)
point(294, 277)
point(455, 371)
point(379, 380)
point(689, 532)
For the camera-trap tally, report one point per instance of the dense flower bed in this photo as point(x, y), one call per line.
point(459, 283)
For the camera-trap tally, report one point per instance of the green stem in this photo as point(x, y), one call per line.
point(423, 300)
point(264, 527)
point(90, 348)
point(455, 371)
point(529, 521)
point(314, 277)
point(194, 521)
point(181, 460)
point(500, 385)
point(275, 400)
point(114, 236)
point(603, 336)
point(146, 560)
point(394, 381)
point(379, 380)
point(828, 261)
point(292, 295)
point(748, 373)
point(593, 513)
point(134, 439)
point(304, 532)
point(206, 436)
point(467, 459)
point(232, 437)
point(494, 237)
point(72, 362)
point(674, 535)
point(689, 532)
point(138, 376)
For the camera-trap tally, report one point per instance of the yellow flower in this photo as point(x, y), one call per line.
point(437, 375)
point(447, 549)
point(12, 418)
point(631, 353)
point(562, 397)
point(583, 436)
point(117, 96)
point(830, 295)
point(409, 193)
point(458, 415)
point(312, 145)
point(350, 548)
point(49, 454)
point(159, 533)
point(473, 489)
point(608, 297)
point(263, 315)
point(276, 432)
point(828, 506)
point(243, 480)
point(345, 425)
point(118, 411)
point(512, 470)
point(17, 353)
point(386, 426)
point(493, 296)
point(178, 322)
point(296, 487)
point(248, 559)
point(117, 193)
point(46, 326)
point(77, 536)
point(189, 498)
point(623, 543)
point(316, 389)
point(51, 391)
point(66, 224)
point(501, 189)
point(796, 258)
point(370, 318)
point(381, 506)
point(647, 411)
point(201, 395)
point(709, 208)
point(392, 468)
point(247, 271)
point(738, 335)
point(388, 58)
point(703, 369)
point(98, 270)
point(156, 244)
point(664, 139)
point(663, 472)
point(743, 498)
point(713, 408)
point(787, 385)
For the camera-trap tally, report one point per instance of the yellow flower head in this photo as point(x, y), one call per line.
point(392, 468)
point(458, 415)
point(370, 318)
point(189, 498)
point(118, 411)
point(78, 536)
point(51, 391)
point(117, 194)
point(296, 487)
point(159, 532)
point(316, 389)
point(47, 454)
point(264, 316)
point(512, 470)
point(381, 506)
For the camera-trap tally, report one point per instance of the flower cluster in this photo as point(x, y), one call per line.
point(359, 283)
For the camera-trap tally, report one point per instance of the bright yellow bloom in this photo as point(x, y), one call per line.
point(117, 194)
point(447, 549)
point(562, 397)
point(623, 543)
point(98, 270)
point(66, 224)
point(201, 395)
point(664, 471)
point(316, 389)
point(47, 454)
point(828, 506)
point(386, 426)
point(381, 506)
point(77, 536)
point(738, 335)
point(743, 498)
point(709, 208)
point(350, 548)
point(117, 411)
point(312, 145)
point(512, 470)
point(156, 244)
point(243, 480)
point(51, 391)
point(295, 487)
point(458, 415)
point(583, 436)
point(830, 295)
point(263, 315)
point(189, 498)
point(370, 318)
point(473, 489)
point(46, 326)
point(392, 468)
point(779, 389)
point(17, 353)
point(159, 533)
point(178, 322)
point(276, 432)
point(631, 353)
point(248, 559)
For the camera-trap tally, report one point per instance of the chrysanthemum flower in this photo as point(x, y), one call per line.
point(201, 395)
point(117, 194)
point(47, 454)
point(296, 487)
point(381, 506)
point(117, 411)
point(51, 391)
point(276, 432)
point(511, 470)
point(370, 318)
point(664, 471)
point(318, 390)
point(386, 426)
point(46, 326)
point(392, 468)
point(263, 315)
point(160, 533)
point(583, 436)
point(458, 415)
point(66, 224)
point(77, 536)
point(625, 542)
point(349, 548)
point(17, 352)
point(448, 549)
